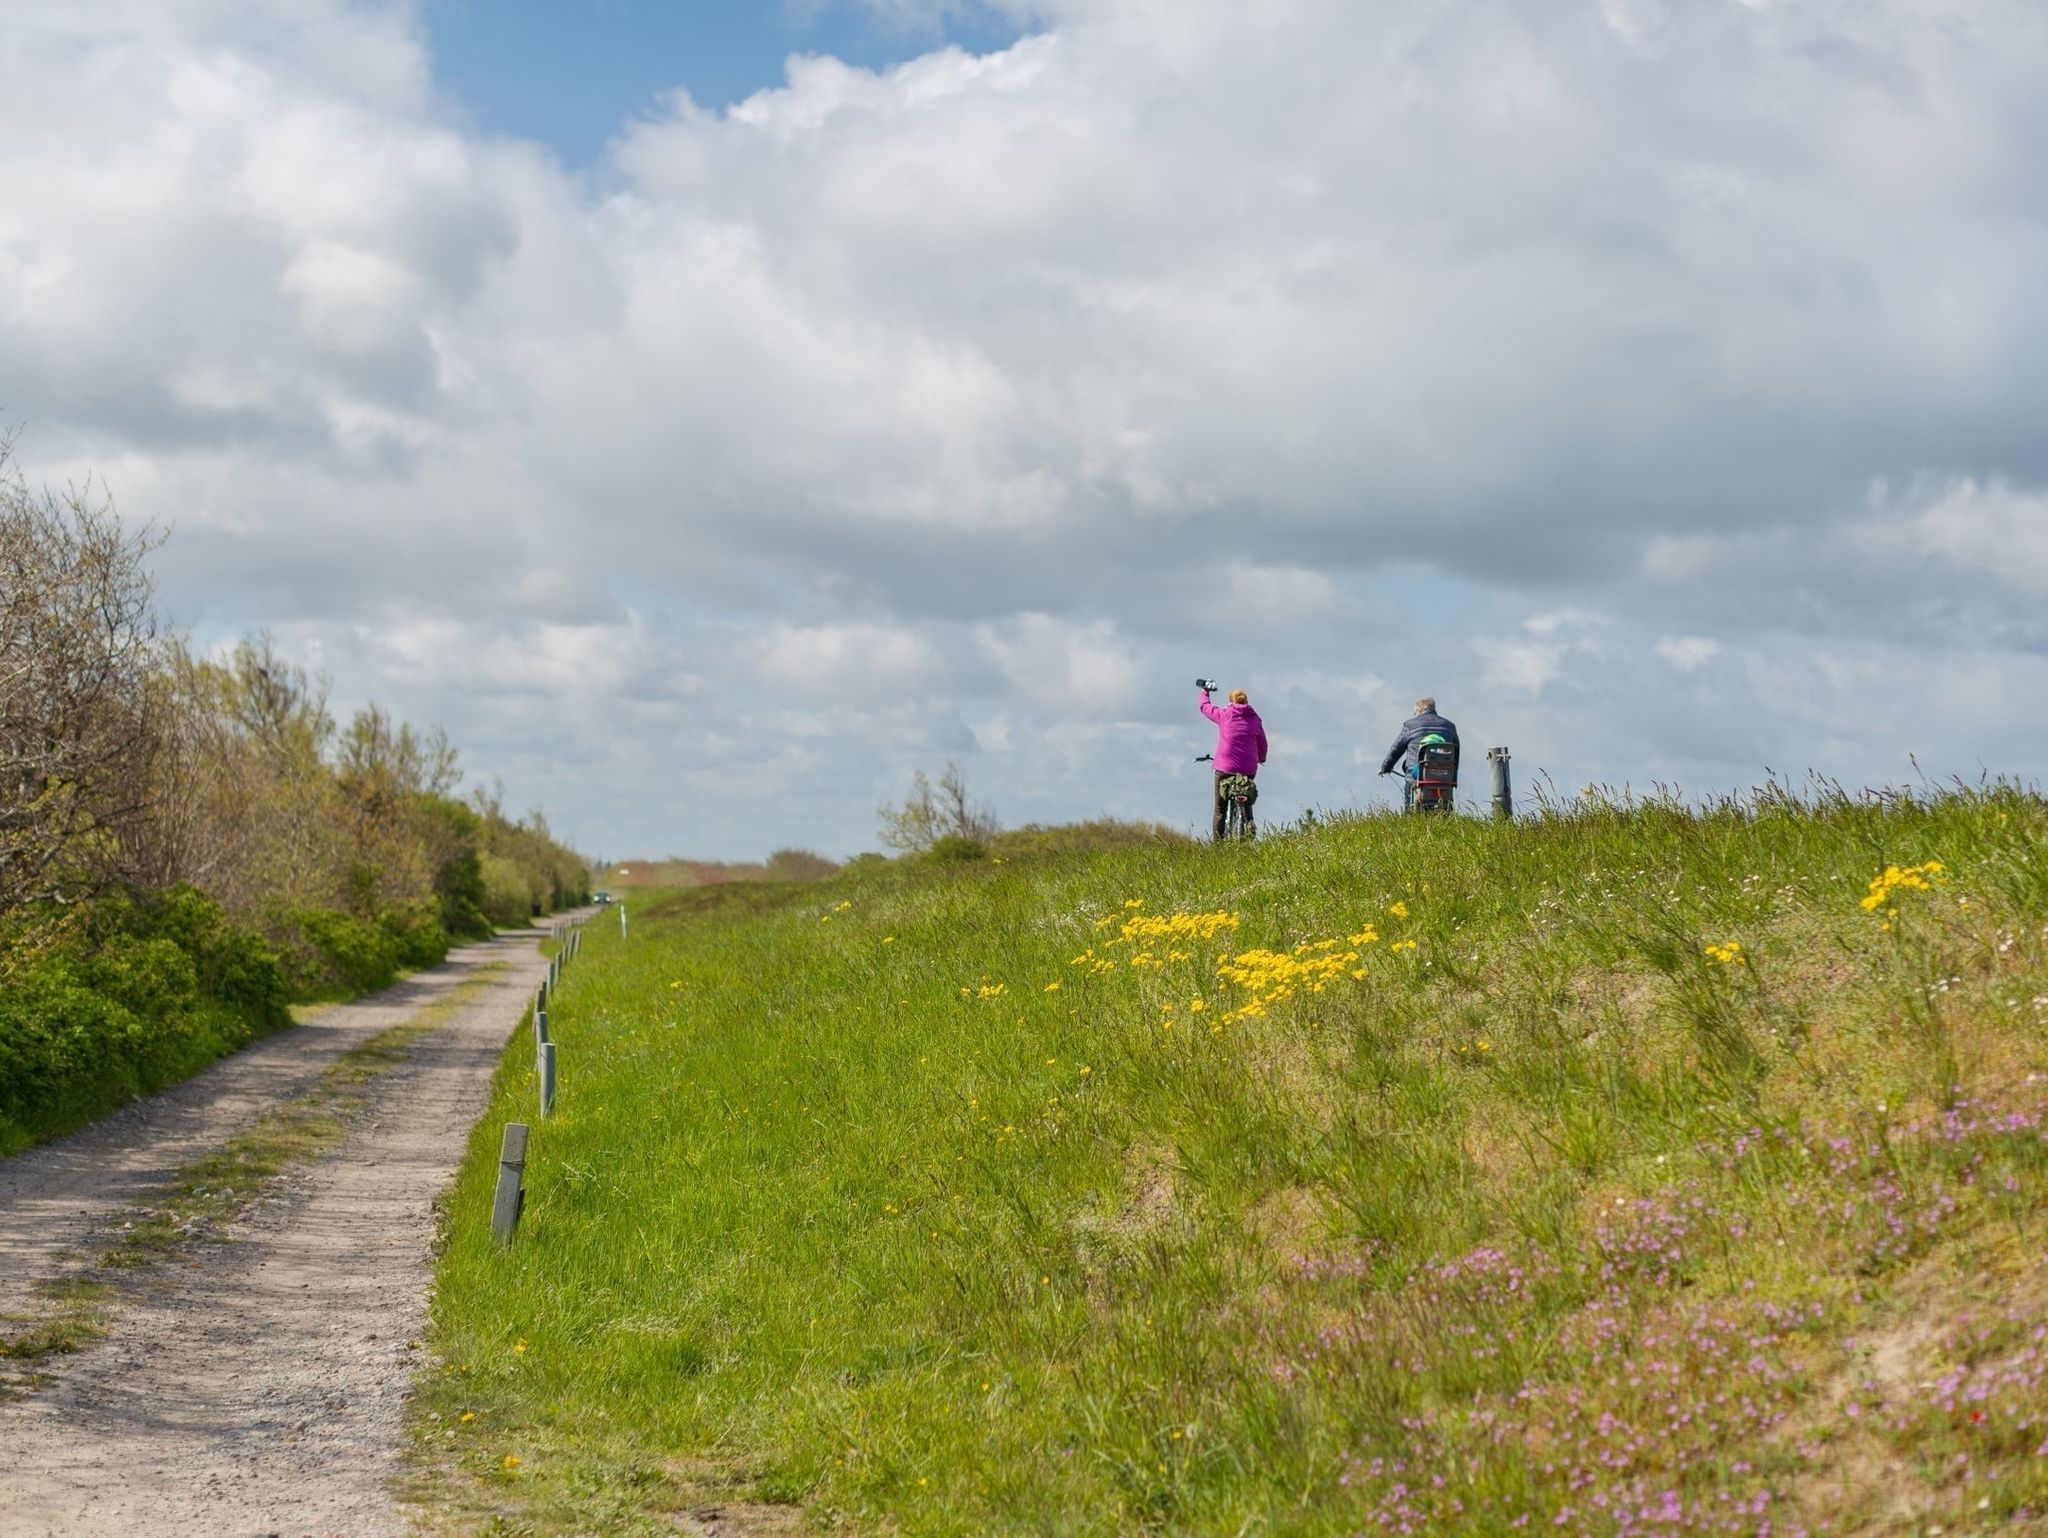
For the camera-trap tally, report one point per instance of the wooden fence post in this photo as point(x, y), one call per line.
point(511, 1197)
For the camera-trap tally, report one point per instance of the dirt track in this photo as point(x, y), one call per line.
point(260, 1387)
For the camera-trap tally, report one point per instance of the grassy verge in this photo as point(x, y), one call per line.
point(210, 1192)
point(1636, 1172)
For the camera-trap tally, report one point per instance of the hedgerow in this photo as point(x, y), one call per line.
point(122, 998)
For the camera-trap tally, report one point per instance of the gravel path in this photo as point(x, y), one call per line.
point(260, 1388)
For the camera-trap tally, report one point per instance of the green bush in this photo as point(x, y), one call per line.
point(232, 962)
point(334, 955)
point(798, 865)
point(456, 834)
point(124, 998)
point(415, 929)
point(953, 849)
point(508, 892)
point(58, 1041)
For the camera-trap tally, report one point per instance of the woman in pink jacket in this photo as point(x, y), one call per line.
point(1240, 744)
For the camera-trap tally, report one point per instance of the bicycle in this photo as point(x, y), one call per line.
point(1430, 784)
point(1237, 802)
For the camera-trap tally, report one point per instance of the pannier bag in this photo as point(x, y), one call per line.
point(1238, 787)
point(1436, 775)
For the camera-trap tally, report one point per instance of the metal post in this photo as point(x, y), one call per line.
point(1503, 790)
point(547, 1079)
point(540, 1030)
point(511, 1197)
point(622, 921)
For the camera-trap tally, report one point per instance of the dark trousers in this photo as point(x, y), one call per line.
point(1217, 821)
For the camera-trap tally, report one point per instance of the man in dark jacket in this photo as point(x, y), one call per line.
point(1424, 723)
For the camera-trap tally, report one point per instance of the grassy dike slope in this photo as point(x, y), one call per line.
point(1623, 1173)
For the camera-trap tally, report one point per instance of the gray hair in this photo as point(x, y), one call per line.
point(1425, 703)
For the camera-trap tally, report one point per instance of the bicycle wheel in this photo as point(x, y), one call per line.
point(1237, 821)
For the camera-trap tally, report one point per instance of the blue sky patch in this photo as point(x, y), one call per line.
point(569, 76)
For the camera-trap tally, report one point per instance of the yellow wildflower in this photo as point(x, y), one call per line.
point(1894, 878)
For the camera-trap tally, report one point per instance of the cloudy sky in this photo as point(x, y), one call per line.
point(711, 412)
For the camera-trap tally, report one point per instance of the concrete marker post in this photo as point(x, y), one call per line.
point(547, 1079)
point(1503, 790)
point(510, 1200)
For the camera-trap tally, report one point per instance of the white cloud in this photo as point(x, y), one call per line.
point(1034, 382)
point(1551, 642)
point(843, 658)
point(1688, 653)
point(1990, 530)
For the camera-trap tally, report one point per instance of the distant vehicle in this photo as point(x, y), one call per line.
point(600, 898)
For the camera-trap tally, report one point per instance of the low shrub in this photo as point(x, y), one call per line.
point(508, 893)
point(233, 963)
point(357, 953)
point(798, 865)
point(120, 999)
point(954, 850)
point(337, 954)
point(1102, 833)
point(415, 930)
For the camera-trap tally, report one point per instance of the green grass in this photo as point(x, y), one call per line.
point(923, 1201)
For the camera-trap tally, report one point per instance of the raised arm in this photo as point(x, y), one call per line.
point(1210, 710)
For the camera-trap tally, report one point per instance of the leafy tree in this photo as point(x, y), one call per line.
point(79, 648)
